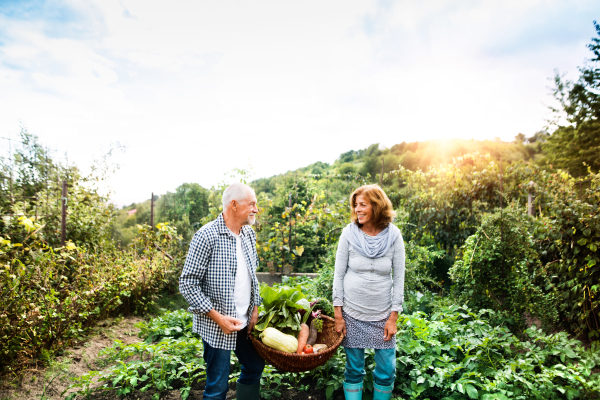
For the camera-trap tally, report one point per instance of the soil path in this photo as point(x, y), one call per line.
point(76, 361)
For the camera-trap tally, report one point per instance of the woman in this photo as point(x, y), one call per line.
point(368, 290)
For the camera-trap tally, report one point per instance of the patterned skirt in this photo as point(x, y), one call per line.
point(366, 334)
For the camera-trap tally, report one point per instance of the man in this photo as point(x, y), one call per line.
point(219, 282)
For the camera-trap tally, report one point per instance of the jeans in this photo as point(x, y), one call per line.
point(385, 368)
point(218, 362)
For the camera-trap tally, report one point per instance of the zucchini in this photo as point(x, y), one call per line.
point(278, 340)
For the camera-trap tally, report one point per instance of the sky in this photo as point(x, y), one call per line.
point(192, 89)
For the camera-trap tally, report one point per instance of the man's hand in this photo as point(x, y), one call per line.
point(227, 324)
point(390, 328)
point(340, 324)
point(253, 320)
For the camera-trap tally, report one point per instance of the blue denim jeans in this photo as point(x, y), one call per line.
point(385, 368)
point(218, 363)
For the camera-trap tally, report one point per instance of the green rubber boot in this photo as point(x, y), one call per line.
point(353, 391)
point(247, 392)
point(382, 392)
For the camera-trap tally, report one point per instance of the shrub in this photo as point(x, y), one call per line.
point(569, 238)
point(48, 296)
point(500, 270)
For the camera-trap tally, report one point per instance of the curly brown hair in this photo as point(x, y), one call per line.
point(383, 211)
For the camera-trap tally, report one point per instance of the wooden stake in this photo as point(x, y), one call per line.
point(63, 223)
point(152, 211)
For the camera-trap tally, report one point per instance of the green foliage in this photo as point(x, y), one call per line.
point(453, 353)
point(174, 324)
point(569, 238)
point(184, 210)
point(456, 354)
point(170, 354)
point(322, 285)
point(500, 270)
point(49, 296)
point(446, 203)
point(32, 188)
point(574, 146)
point(281, 309)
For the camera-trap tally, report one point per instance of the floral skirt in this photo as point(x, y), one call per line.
point(366, 334)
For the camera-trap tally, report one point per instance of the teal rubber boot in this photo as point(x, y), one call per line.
point(382, 392)
point(247, 392)
point(353, 391)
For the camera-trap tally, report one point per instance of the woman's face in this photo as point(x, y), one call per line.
point(363, 209)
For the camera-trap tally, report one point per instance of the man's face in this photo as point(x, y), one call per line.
point(246, 210)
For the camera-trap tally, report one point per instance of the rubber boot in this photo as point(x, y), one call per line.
point(382, 392)
point(247, 392)
point(353, 391)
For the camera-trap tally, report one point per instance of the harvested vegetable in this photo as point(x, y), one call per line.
point(279, 341)
point(280, 309)
point(319, 347)
point(302, 337)
point(308, 349)
point(312, 336)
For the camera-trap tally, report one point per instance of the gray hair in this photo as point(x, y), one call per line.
point(236, 191)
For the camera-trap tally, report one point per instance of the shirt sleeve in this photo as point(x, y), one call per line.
point(341, 265)
point(398, 275)
point(194, 273)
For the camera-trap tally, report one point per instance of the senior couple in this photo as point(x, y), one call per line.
point(219, 282)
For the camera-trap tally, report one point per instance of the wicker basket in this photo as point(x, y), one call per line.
point(292, 362)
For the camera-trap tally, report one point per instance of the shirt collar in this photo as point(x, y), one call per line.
point(224, 230)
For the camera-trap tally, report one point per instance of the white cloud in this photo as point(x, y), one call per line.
point(198, 88)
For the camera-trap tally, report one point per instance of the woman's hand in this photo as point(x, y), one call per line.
point(340, 324)
point(390, 328)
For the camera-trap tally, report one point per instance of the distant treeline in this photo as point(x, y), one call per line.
point(190, 202)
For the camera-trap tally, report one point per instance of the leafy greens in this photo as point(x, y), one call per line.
point(282, 308)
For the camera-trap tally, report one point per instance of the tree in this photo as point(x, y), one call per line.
point(571, 146)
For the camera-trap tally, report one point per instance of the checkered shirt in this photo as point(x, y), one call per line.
point(208, 278)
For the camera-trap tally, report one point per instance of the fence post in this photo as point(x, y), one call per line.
point(381, 177)
point(530, 209)
point(63, 222)
point(152, 211)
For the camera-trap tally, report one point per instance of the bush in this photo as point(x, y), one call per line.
point(500, 270)
point(569, 238)
point(48, 296)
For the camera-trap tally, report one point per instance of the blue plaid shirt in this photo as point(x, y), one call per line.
point(208, 278)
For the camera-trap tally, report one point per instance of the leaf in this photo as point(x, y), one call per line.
point(582, 241)
point(471, 391)
point(304, 303)
point(329, 392)
point(299, 250)
point(269, 295)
